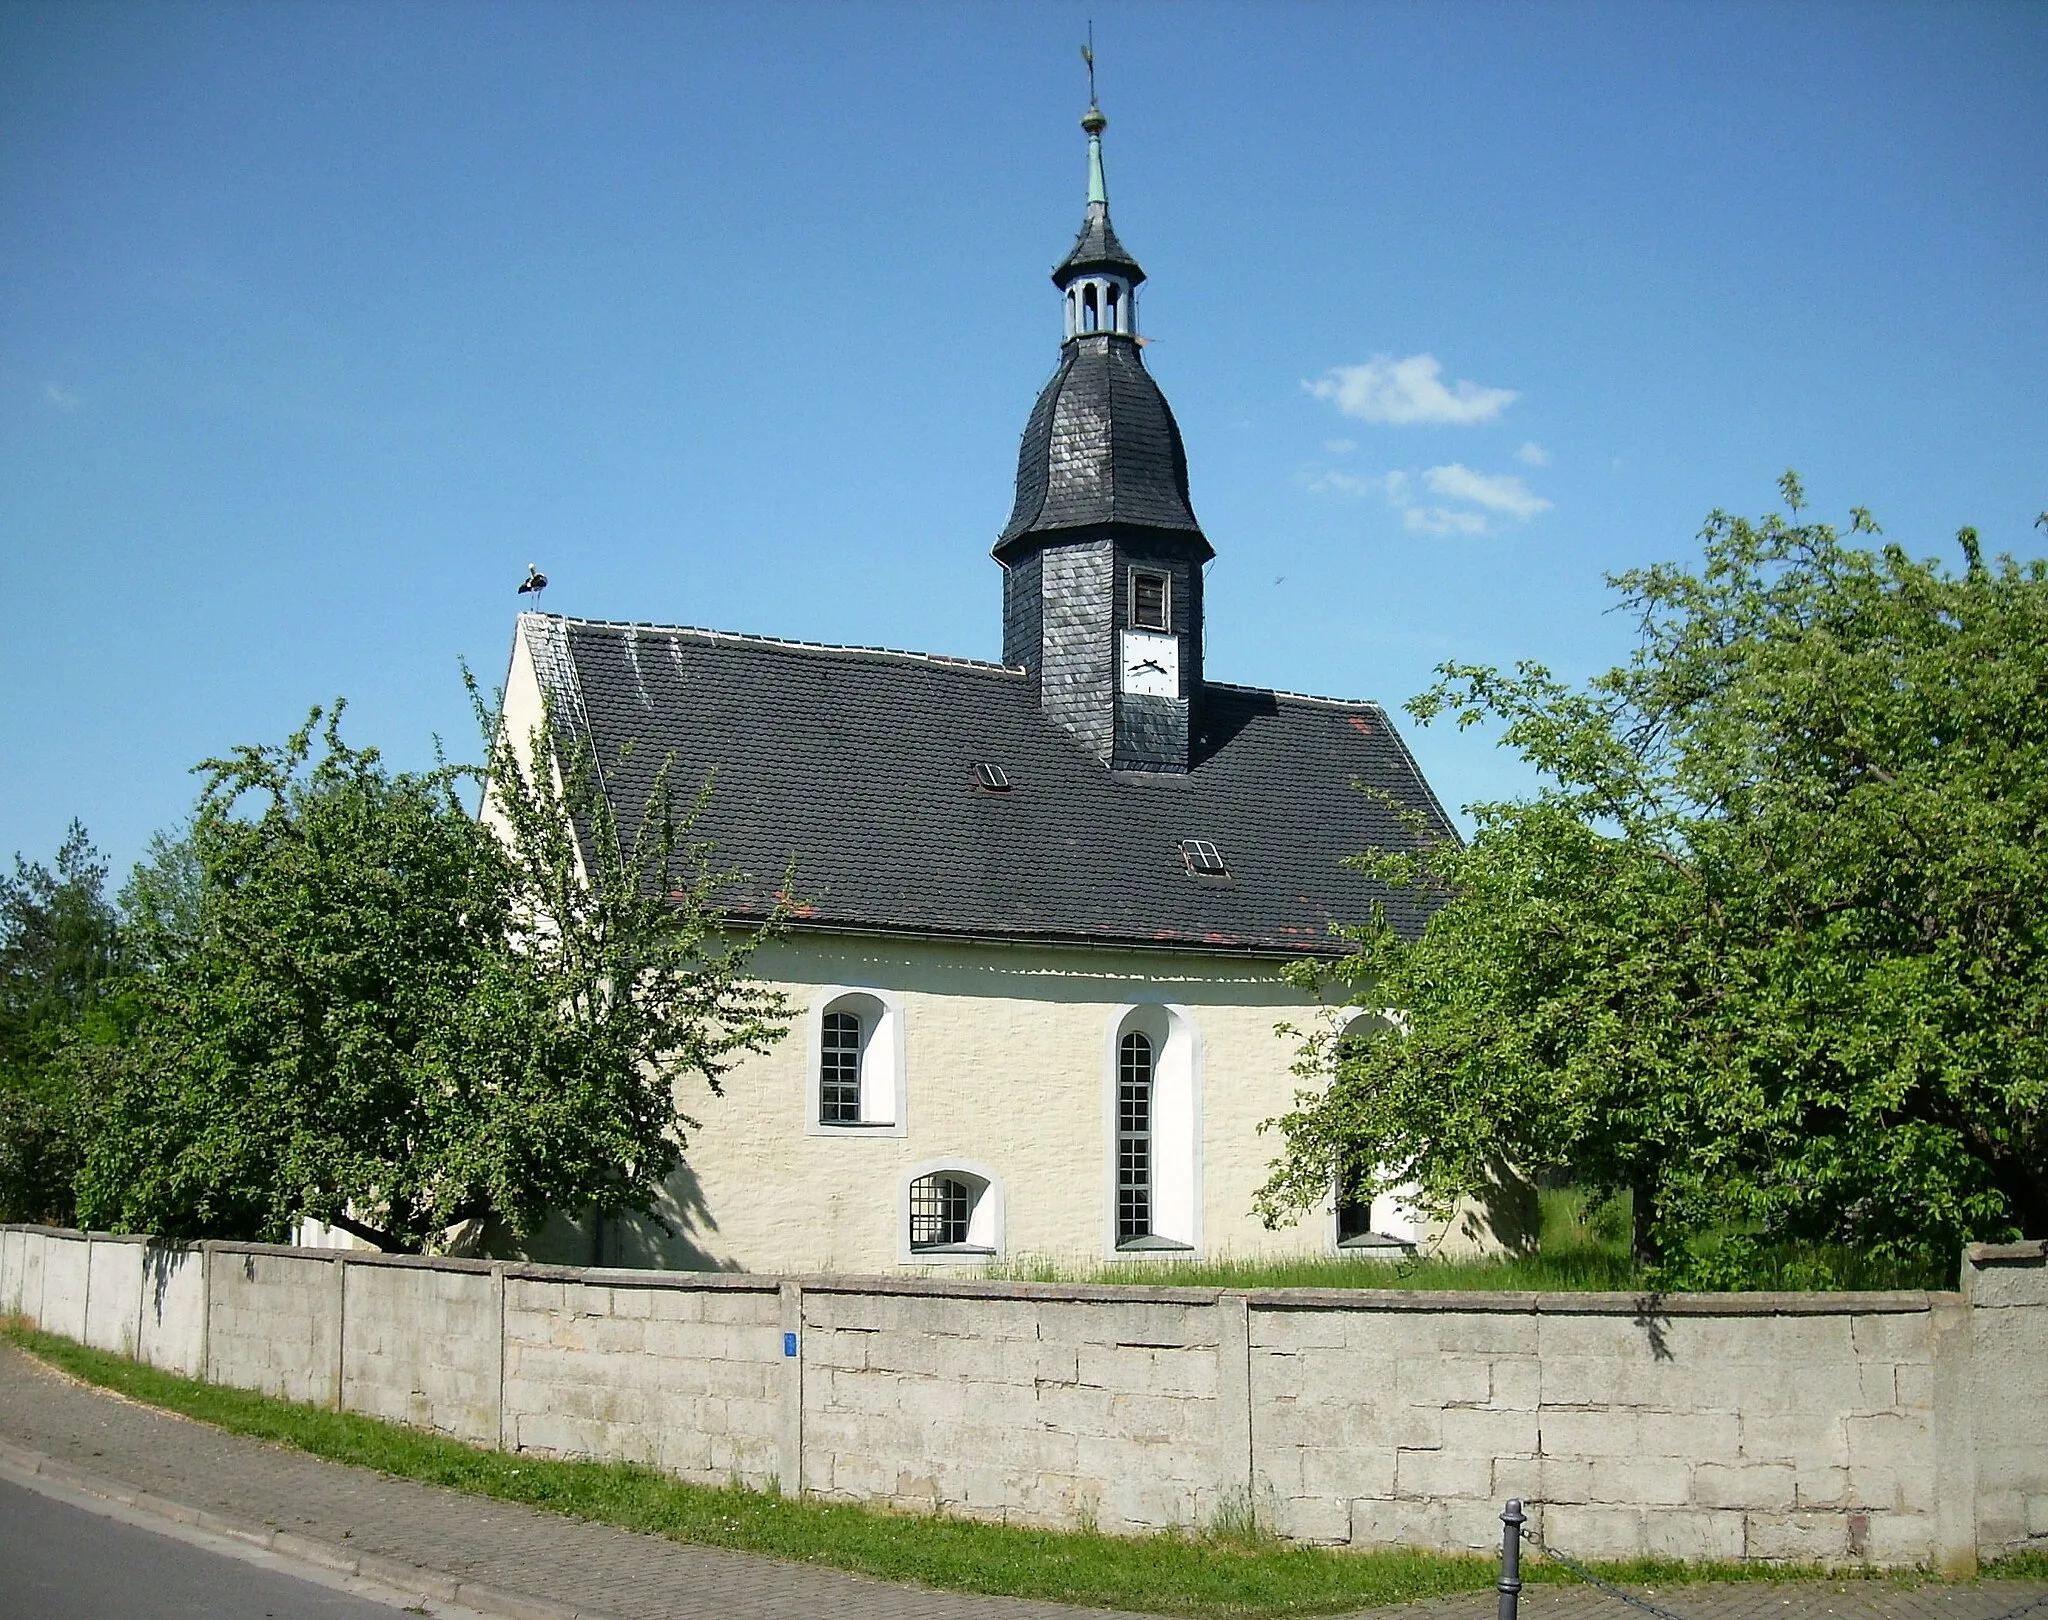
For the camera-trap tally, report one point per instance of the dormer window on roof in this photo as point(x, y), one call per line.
point(1204, 859)
point(991, 778)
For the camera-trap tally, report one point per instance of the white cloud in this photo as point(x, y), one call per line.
point(1340, 447)
point(1407, 391)
point(65, 399)
point(1329, 481)
point(1441, 520)
point(1495, 495)
point(1497, 492)
point(1533, 454)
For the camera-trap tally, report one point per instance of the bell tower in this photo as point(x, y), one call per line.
point(1102, 557)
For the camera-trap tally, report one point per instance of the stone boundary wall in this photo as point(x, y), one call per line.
point(1890, 1429)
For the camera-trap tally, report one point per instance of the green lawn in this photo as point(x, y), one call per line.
point(1582, 1248)
point(1214, 1573)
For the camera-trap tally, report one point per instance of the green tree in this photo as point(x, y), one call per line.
point(60, 956)
point(1769, 945)
point(396, 1016)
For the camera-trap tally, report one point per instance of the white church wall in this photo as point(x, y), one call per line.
point(1008, 1062)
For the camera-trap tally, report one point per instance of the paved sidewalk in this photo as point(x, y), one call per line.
point(573, 1567)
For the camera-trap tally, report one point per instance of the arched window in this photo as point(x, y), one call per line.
point(839, 1069)
point(939, 1207)
point(1112, 324)
point(1364, 1223)
point(1134, 1137)
point(950, 1212)
point(855, 1081)
point(1088, 308)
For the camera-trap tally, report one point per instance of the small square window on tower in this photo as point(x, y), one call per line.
point(1149, 604)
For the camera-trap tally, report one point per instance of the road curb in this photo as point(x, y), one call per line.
point(416, 1580)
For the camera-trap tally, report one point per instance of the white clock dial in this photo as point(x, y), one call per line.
point(1149, 665)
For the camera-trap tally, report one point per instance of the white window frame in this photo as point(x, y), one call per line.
point(1176, 1157)
point(985, 1236)
point(884, 1098)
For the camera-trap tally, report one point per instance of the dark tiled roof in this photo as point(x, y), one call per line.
point(1101, 448)
point(1097, 248)
point(858, 765)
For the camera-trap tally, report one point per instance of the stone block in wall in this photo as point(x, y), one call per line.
point(1445, 1380)
point(1646, 1481)
point(1695, 1535)
point(1893, 1440)
point(1764, 1486)
point(1812, 1439)
point(1491, 1432)
point(1590, 1433)
point(1688, 1434)
point(1436, 1474)
point(1596, 1531)
point(1805, 1538)
point(1322, 1520)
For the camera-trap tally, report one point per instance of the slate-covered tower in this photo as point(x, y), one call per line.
point(1102, 557)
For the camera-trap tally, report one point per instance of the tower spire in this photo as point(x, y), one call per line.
point(1094, 123)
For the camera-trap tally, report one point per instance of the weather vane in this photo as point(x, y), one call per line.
point(1088, 56)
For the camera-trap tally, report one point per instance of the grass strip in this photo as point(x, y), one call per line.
point(1218, 1573)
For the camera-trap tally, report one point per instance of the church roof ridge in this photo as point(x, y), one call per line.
point(746, 637)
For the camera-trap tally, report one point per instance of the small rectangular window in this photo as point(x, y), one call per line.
point(1149, 604)
point(1203, 858)
point(991, 778)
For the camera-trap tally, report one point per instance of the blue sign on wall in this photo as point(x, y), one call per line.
point(789, 1344)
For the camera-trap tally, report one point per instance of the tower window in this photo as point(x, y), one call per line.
point(839, 1069)
point(1134, 1137)
point(1149, 602)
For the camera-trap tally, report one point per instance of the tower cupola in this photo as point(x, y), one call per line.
point(1102, 557)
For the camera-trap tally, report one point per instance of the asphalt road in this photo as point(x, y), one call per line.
point(59, 1562)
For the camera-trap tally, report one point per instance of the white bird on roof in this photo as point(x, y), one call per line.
point(535, 582)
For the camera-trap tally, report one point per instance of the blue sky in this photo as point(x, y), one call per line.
point(319, 322)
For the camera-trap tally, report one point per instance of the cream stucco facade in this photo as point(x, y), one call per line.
point(998, 1061)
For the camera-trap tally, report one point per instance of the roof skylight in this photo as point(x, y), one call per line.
point(991, 778)
point(1204, 858)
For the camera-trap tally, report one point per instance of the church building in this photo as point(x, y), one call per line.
point(1045, 904)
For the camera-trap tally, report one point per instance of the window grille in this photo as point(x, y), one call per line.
point(939, 1209)
point(1134, 1137)
point(1148, 601)
point(1203, 857)
point(839, 1070)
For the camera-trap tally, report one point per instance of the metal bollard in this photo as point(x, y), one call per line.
point(1511, 1560)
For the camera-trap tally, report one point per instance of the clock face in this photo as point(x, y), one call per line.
point(1149, 665)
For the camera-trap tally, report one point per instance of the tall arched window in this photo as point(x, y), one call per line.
point(1089, 319)
point(1134, 1136)
point(839, 1069)
point(1111, 324)
point(856, 1063)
